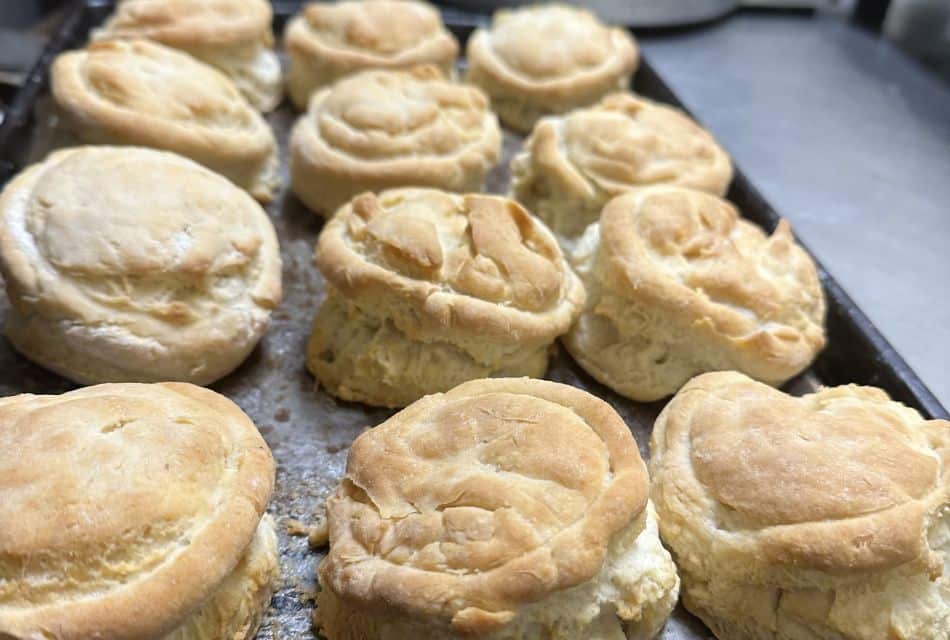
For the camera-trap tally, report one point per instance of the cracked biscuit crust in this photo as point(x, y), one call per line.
point(161, 498)
point(572, 165)
point(825, 516)
point(678, 284)
point(430, 288)
point(129, 264)
point(470, 508)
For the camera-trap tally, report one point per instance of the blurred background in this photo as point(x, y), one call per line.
point(919, 27)
point(837, 110)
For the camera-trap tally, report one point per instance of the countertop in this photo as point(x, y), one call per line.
point(849, 139)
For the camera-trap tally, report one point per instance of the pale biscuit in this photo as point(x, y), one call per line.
point(133, 512)
point(504, 509)
point(233, 35)
point(825, 516)
point(572, 165)
point(429, 289)
point(384, 129)
point(133, 265)
point(678, 285)
point(141, 93)
point(330, 40)
point(548, 59)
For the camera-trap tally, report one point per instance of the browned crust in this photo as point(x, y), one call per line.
point(480, 602)
point(325, 174)
point(765, 347)
point(203, 338)
point(157, 603)
point(86, 108)
point(816, 528)
point(546, 149)
point(438, 308)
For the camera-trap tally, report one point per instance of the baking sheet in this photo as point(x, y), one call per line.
point(309, 431)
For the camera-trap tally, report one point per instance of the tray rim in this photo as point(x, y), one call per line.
point(16, 118)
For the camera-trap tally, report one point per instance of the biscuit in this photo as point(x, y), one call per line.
point(233, 36)
point(133, 512)
point(504, 509)
point(384, 129)
point(825, 516)
point(328, 41)
point(134, 265)
point(548, 59)
point(428, 289)
point(571, 166)
point(678, 285)
point(144, 94)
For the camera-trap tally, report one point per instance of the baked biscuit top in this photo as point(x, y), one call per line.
point(192, 23)
point(380, 31)
point(552, 47)
point(474, 263)
point(145, 93)
point(416, 117)
point(138, 242)
point(624, 142)
point(123, 507)
point(469, 504)
point(688, 252)
point(843, 480)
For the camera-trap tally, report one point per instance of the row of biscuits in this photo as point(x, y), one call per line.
point(428, 288)
point(127, 264)
point(582, 60)
point(506, 508)
point(520, 509)
point(503, 508)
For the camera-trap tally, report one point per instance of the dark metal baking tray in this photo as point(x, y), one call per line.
point(309, 431)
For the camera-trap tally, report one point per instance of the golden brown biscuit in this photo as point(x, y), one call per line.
point(826, 516)
point(505, 508)
point(572, 165)
point(328, 41)
point(134, 265)
point(678, 285)
point(429, 289)
point(133, 512)
point(547, 59)
point(140, 93)
point(383, 129)
point(232, 35)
